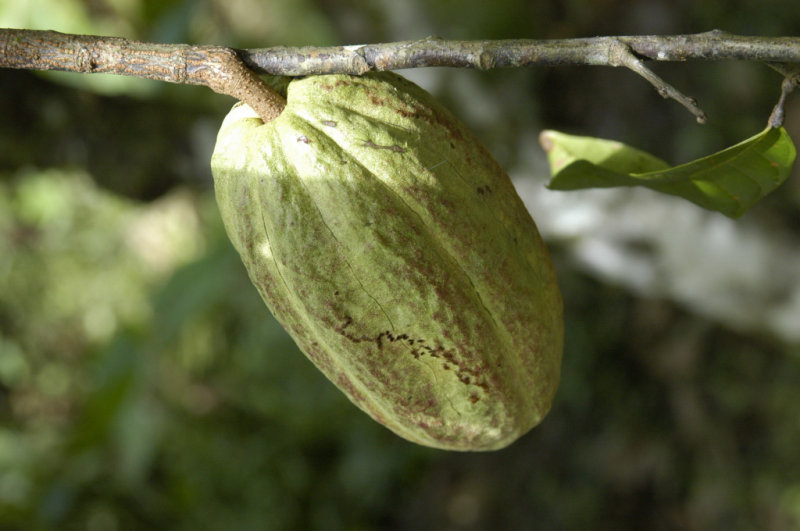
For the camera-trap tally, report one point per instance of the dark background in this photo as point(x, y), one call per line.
point(143, 384)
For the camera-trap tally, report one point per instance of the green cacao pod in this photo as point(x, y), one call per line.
point(395, 251)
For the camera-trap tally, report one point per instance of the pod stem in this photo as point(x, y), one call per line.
point(232, 77)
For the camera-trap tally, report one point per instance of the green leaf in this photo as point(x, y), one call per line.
point(729, 181)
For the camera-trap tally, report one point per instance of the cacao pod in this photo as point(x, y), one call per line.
point(395, 251)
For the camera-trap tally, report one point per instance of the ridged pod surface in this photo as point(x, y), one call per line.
point(397, 254)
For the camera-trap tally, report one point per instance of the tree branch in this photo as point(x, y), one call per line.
point(232, 72)
point(710, 46)
point(216, 67)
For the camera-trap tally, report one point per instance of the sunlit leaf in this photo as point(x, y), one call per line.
point(729, 181)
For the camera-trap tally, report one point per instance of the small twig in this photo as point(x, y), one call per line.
point(620, 55)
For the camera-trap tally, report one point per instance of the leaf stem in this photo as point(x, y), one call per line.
point(777, 115)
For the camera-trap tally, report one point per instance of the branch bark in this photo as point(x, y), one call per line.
point(233, 72)
point(221, 69)
point(710, 46)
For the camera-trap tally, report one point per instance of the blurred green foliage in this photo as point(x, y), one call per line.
point(144, 385)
